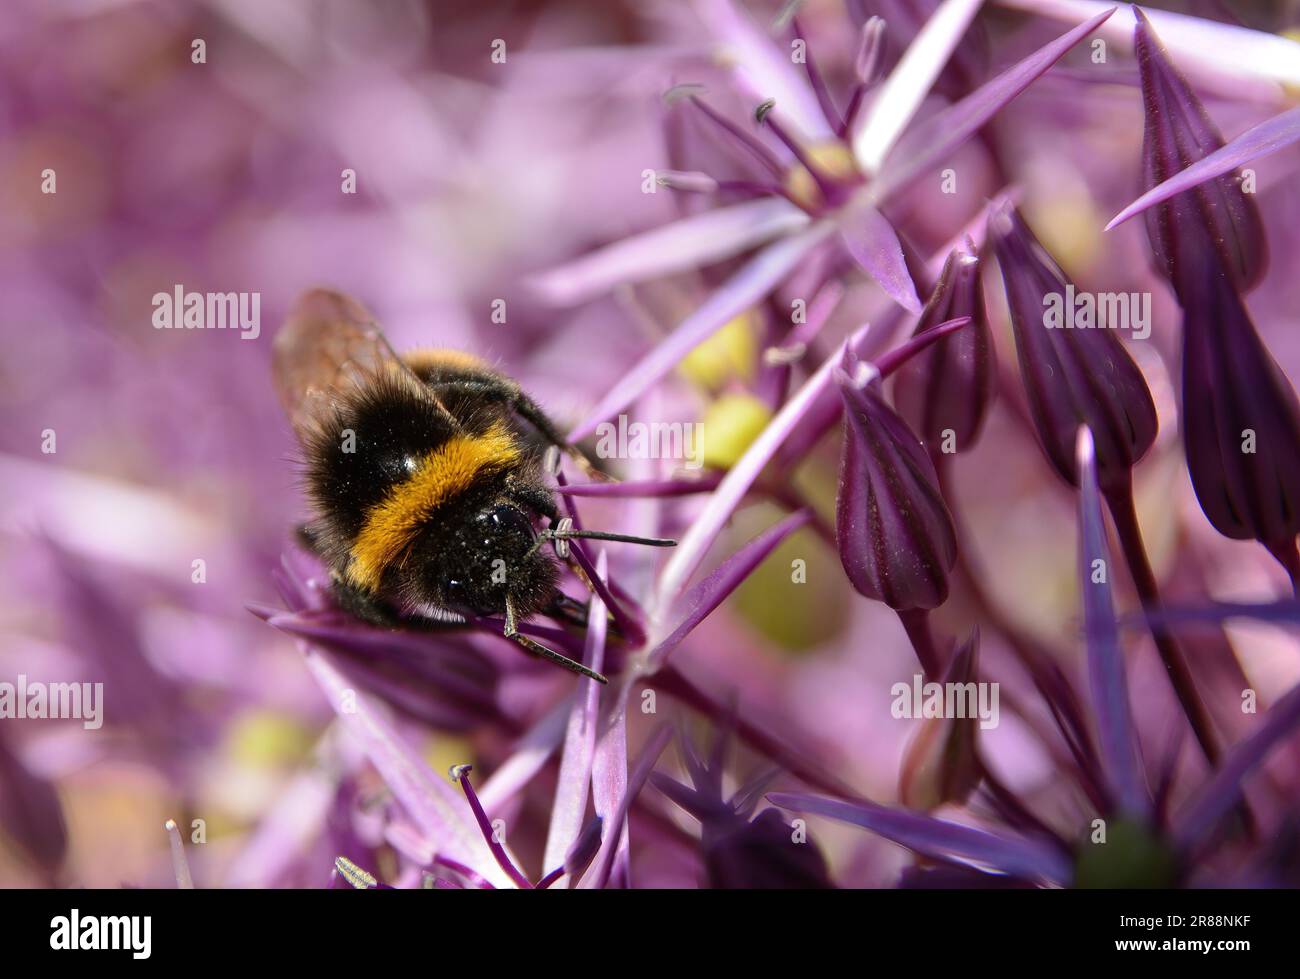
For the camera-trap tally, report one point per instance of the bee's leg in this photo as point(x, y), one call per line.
point(537, 649)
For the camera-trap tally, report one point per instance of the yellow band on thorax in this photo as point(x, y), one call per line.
point(392, 524)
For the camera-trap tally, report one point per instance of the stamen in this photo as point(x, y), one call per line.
point(560, 537)
point(864, 373)
point(755, 148)
point(867, 67)
point(763, 114)
point(815, 79)
point(690, 181)
point(460, 774)
point(551, 461)
point(180, 865)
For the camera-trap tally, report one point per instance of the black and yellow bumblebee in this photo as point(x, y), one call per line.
point(425, 474)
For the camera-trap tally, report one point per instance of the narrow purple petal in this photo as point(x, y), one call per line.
point(642, 490)
point(1286, 612)
point(1232, 54)
point(609, 782)
point(688, 243)
point(938, 838)
point(928, 142)
point(569, 807)
point(764, 67)
point(745, 288)
point(713, 590)
point(1219, 795)
point(1117, 735)
point(613, 848)
point(1268, 137)
point(871, 240)
point(902, 93)
point(437, 809)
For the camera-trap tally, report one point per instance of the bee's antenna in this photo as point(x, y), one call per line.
point(537, 649)
point(564, 531)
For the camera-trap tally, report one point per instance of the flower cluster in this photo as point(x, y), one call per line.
point(963, 558)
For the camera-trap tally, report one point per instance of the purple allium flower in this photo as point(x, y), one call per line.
point(741, 850)
point(893, 530)
point(1241, 416)
point(1072, 376)
point(743, 203)
point(945, 392)
point(1179, 132)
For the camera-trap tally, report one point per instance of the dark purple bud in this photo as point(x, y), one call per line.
point(1241, 419)
point(944, 393)
point(895, 535)
point(740, 853)
point(1178, 133)
point(1073, 374)
point(765, 853)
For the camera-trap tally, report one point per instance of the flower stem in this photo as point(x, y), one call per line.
point(916, 622)
point(1124, 513)
point(1039, 663)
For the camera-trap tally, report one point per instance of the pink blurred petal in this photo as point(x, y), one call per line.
point(701, 239)
point(614, 844)
point(908, 84)
point(873, 243)
point(930, 141)
point(746, 287)
point(439, 811)
point(764, 66)
point(1222, 49)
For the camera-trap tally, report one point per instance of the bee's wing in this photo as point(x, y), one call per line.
point(328, 344)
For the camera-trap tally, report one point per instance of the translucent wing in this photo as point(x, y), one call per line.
point(329, 343)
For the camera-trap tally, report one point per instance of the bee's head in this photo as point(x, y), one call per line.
point(473, 563)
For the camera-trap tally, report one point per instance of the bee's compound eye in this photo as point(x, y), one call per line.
point(503, 520)
point(455, 592)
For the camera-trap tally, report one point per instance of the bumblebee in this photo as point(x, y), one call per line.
point(425, 474)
